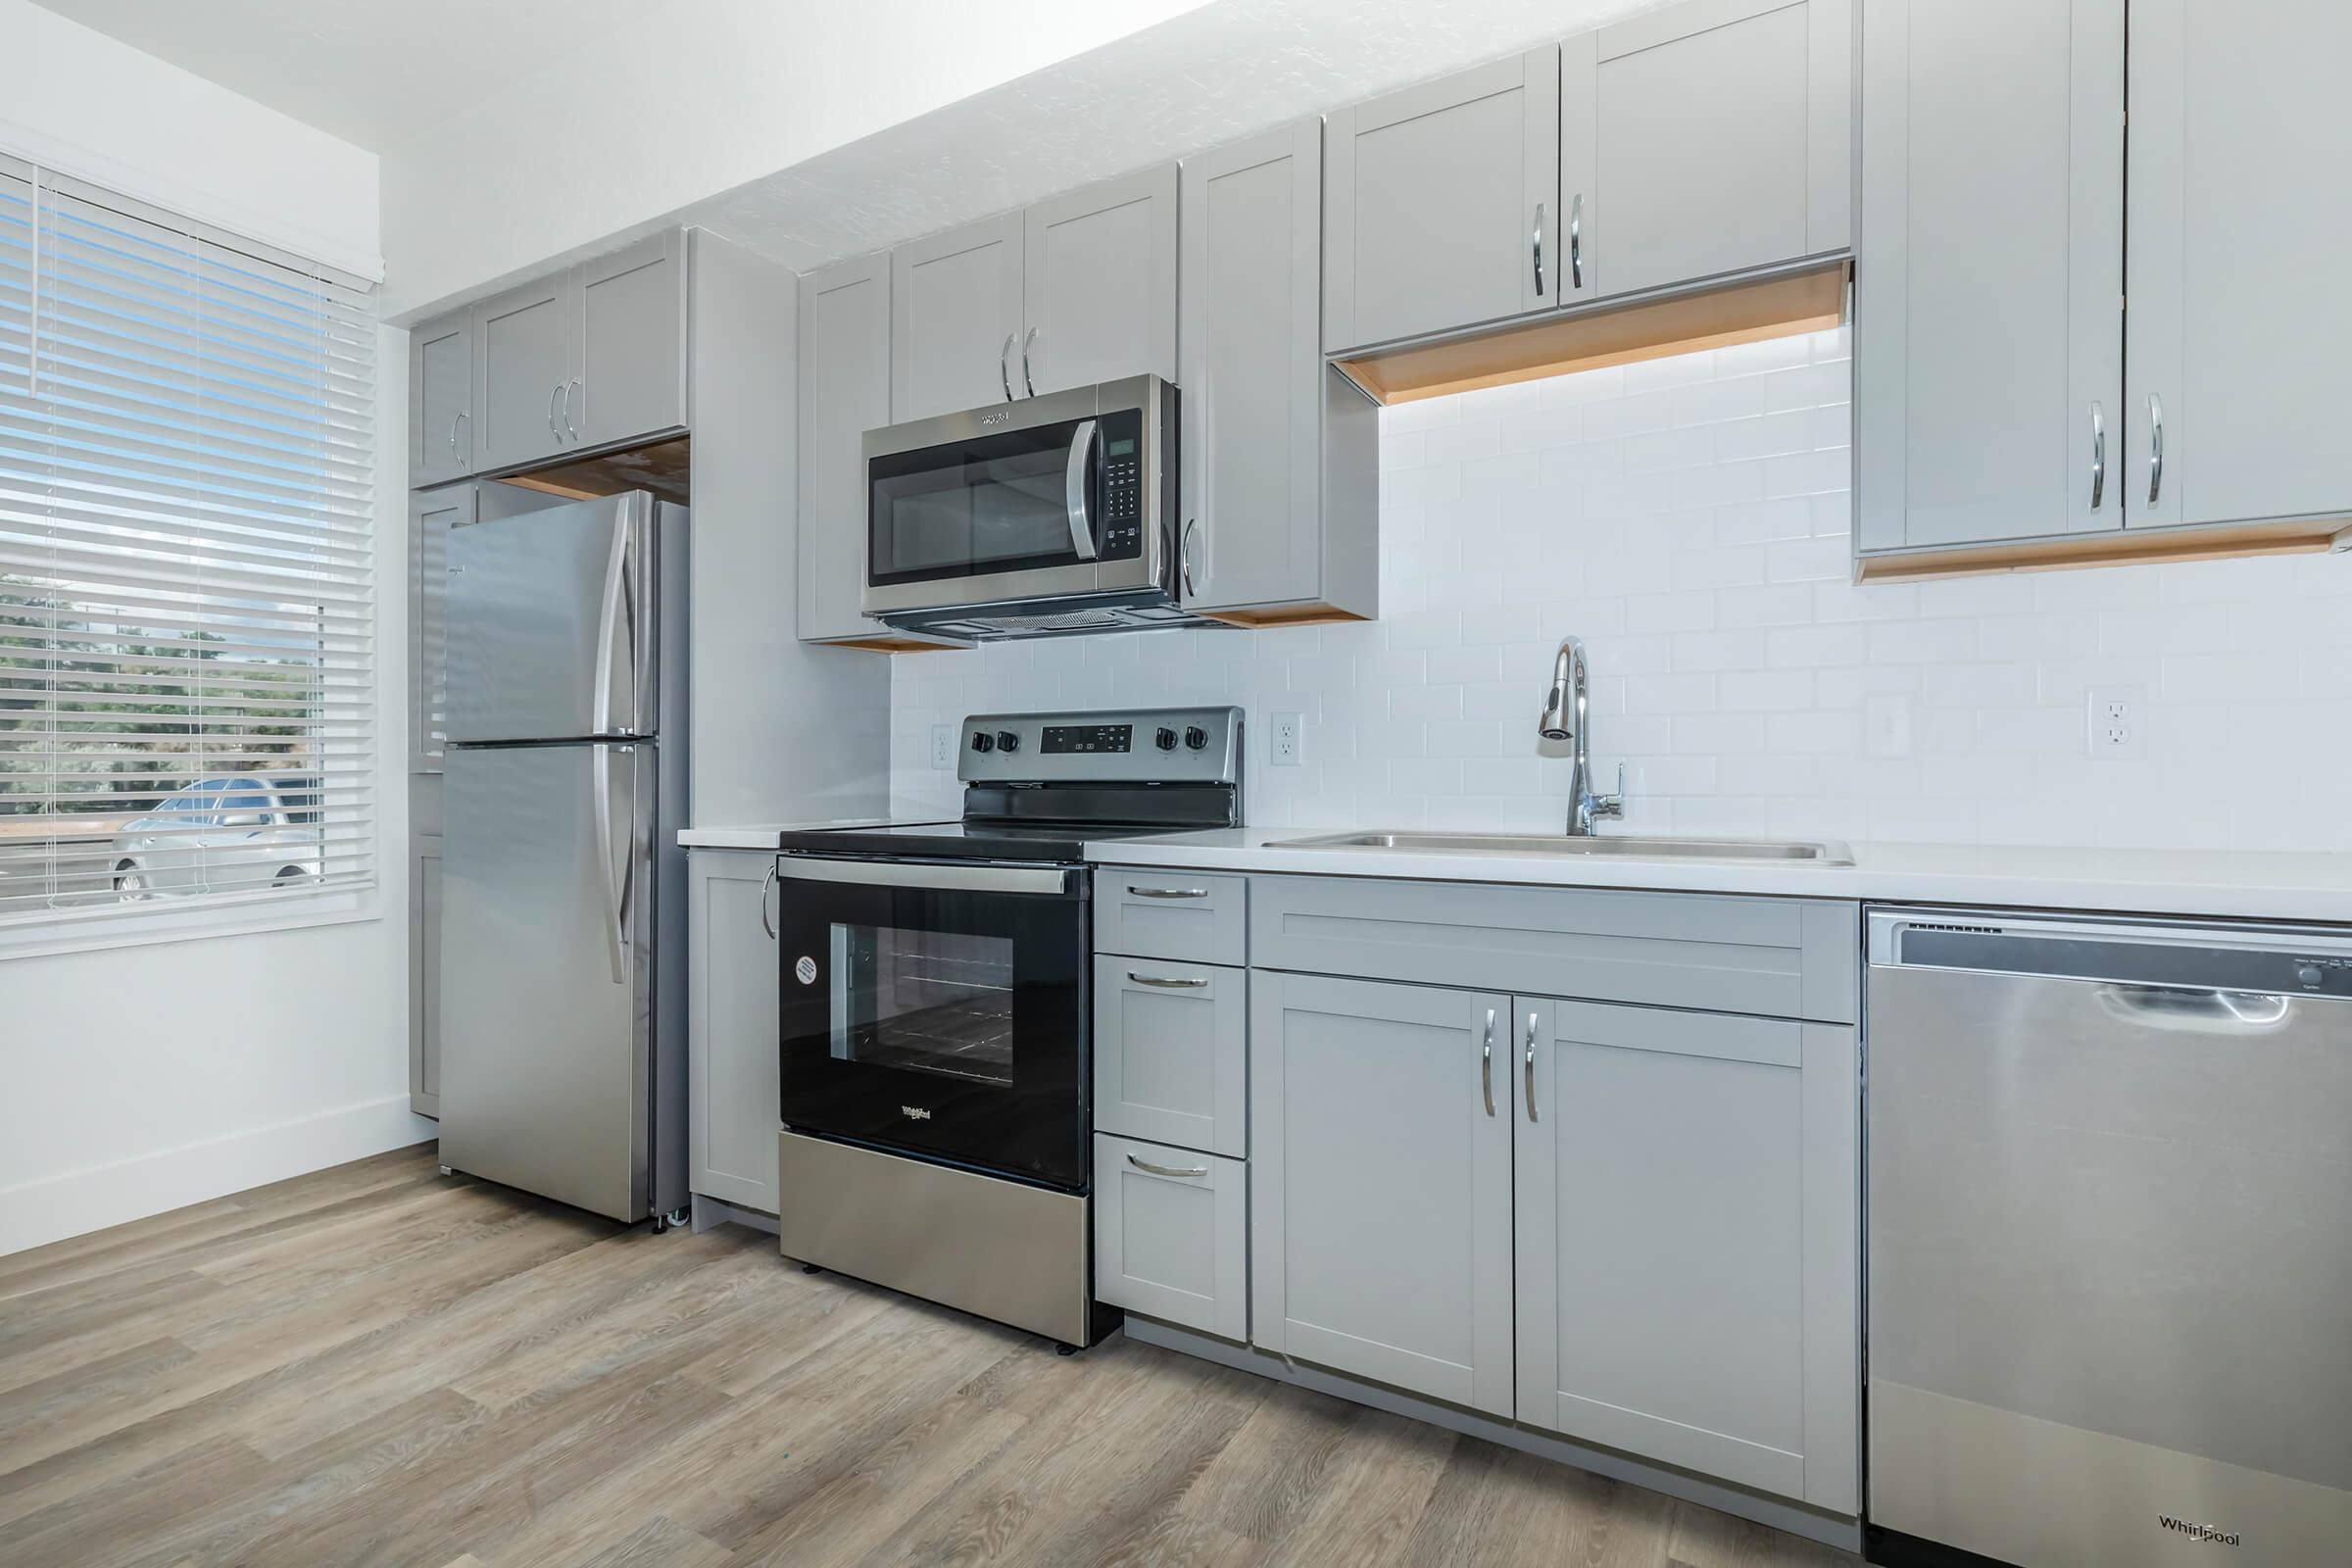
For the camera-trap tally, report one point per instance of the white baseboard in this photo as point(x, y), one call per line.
point(36, 1212)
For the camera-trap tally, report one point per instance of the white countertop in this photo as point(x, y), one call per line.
point(2223, 883)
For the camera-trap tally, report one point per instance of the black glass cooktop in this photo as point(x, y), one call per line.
point(964, 840)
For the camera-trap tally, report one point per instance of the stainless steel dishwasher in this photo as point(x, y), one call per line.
point(2109, 1240)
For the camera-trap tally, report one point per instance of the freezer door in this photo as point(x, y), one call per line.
point(550, 623)
point(546, 972)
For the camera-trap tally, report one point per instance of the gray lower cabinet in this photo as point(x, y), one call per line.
point(1184, 916)
point(424, 975)
point(1381, 1183)
point(1703, 139)
point(1437, 203)
point(1688, 1213)
point(1280, 452)
point(1171, 1234)
point(432, 514)
point(1099, 283)
point(956, 319)
point(1172, 1053)
point(731, 999)
point(441, 399)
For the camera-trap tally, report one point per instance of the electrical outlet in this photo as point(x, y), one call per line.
point(1282, 740)
point(2117, 723)
point(943, 746)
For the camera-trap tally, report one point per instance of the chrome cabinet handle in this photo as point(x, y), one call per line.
point(1486, 1063)
point(1168, 892)
point(1575, 241)
point(462, 418)
point(1005, 367)
point(568, 426)
point(1074, 493)
point(2098, 453)
point(452, 433)
point(1151, 1169)
point(552, 429)
point(1195, 983)
point(1026, 381)
point(1530, 1067)
point(2155, 446)
point(766, 922)
point(1184, 554)
point(1538, 244)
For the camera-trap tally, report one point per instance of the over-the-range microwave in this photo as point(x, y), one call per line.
point(1047, 515)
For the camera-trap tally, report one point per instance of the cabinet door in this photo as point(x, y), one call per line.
point(632, 374)
point(1989, 306)
point(1252, 372)
point(2239, 227)
point(1099, 284)
point(1380, 1197)
point(1705, 139)
point(731, 1001)
point(432, 514)
point(1172, 1053)
point(956, 319)
point(441, 399)
point(1443, 204)
point(526, 355)
point(1688, 1216)
point(425, 976)
point(845, 392)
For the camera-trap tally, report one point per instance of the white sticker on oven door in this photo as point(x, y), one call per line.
point(804, 970)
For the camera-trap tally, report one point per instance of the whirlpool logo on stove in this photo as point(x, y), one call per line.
point(2197, 1532)
point(916, 1112)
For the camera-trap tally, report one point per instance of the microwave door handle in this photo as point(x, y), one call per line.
point(1082, 527)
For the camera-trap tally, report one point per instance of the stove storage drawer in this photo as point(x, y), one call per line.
point(1171, 1235)
point(1172, 1053)
point(1186, 915)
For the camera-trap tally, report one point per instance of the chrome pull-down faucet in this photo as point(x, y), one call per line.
point(1566, 716)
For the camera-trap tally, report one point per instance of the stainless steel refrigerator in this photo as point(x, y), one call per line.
point(564, 898)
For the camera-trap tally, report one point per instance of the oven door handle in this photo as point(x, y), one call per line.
point(1074, 490)
point(1047, 879)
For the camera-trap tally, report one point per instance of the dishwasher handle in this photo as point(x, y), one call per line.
point(2193, 1011)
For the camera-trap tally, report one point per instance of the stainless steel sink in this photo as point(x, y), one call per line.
point(1625, 846)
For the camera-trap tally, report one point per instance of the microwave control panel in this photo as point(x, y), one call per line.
point(1122, 486)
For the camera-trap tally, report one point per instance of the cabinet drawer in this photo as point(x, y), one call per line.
point(1782, 957)
point(1171, 1235)
point(1171, 1052)
point(1170, 915)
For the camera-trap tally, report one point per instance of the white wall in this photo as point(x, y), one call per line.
point(699, 97)
point(140, 1079)
point(1688, 518)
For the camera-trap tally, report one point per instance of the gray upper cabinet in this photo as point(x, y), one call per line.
point(1280, 454)
point(441, 399)
point(525, 358)
point(956, 319)
point(1988, 291)
point(2240, 384)
point(1704, 139)
point(844, 392)
point(1442, 204)
point(632, 359)
point(1380, 1183)
point(1099, 284)
point(732, 984)
point(1688, 1238)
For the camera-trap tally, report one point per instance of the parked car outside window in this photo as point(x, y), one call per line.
point(222, 835)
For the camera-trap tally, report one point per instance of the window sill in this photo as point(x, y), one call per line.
point(50, 935)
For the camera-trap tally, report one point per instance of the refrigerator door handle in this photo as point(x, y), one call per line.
point(609, 879)
point(608, 628)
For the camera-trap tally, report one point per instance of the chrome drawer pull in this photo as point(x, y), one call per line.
point(1149, 1169)
point(1165, 984)
point(1168, 892)
point(1530, 1067)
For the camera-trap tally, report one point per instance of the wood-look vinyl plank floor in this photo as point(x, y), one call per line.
point(378, 1366)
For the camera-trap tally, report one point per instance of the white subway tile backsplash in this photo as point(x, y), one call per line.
point(1687, 517)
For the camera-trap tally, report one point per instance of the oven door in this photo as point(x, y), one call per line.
point(938, 1009)
point(1043, 499)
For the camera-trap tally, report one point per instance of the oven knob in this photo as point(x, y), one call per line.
point(1165, 740)
point(983, 741)
point(1007, 741)
point(1195, 737)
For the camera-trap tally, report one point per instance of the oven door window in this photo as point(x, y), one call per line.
point(942, 1023)
point(973, 509)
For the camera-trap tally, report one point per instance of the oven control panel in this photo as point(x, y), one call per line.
point(1123, 746)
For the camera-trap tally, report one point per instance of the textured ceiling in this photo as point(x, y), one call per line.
point(1226, 70)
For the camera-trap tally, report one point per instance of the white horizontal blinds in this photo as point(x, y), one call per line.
point(186, 567)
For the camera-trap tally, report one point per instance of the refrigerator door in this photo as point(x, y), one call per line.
point(550, 623)
point(548, 897)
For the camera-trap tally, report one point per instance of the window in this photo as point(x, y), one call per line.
point(187, 607)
